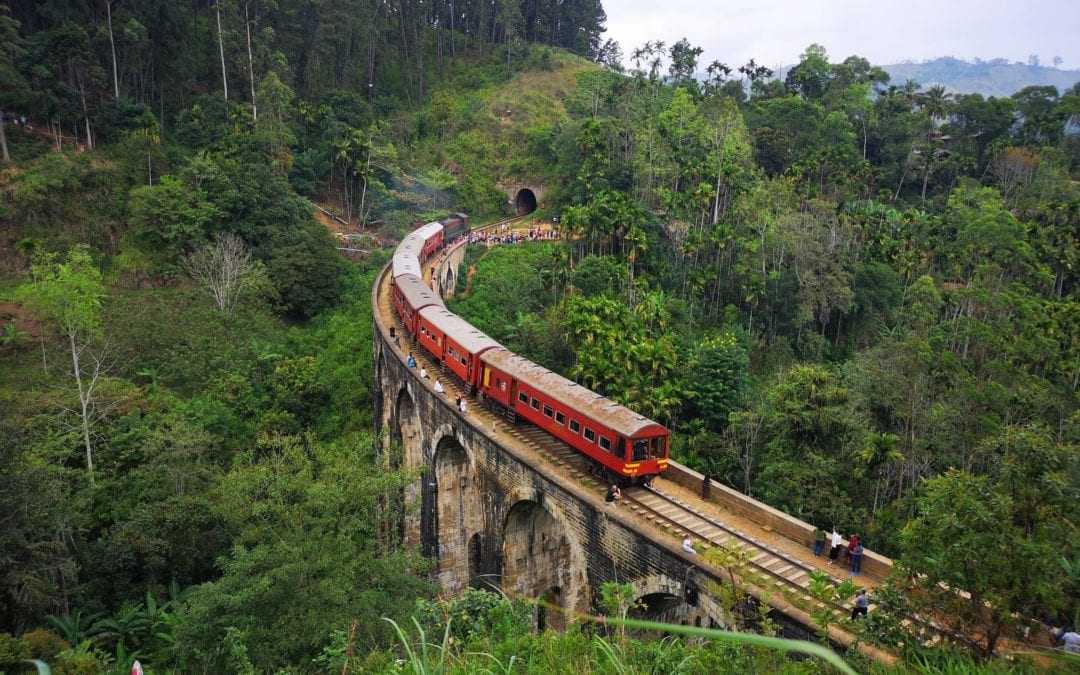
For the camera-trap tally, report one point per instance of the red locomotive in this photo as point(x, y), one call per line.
point(628, 446)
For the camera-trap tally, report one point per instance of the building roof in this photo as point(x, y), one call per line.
point(416, 292)
point(603, 410)
point(458, 329)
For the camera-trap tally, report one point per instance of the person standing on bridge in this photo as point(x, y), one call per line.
point(411, 361)
point(462, 405)
point(438, 387)
point(837, 542)
point(819, 541)
point(856, 558)
point(853, 541)
point(423, 373)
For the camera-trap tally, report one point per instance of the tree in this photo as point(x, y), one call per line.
point(171, 217)
point(226, 270)
point(13, 87)
point(70, 293)
point(718, 377)
point(973, 566)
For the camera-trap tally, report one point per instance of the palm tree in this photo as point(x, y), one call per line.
point(878, 451)
point(936, 103)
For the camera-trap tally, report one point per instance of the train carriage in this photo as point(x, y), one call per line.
point(629, 445)
point(454, 226)
point(454, 342)
point(432, 235)
point(626, 444)
point(410, 295)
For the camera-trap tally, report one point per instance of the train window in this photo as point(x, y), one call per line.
point(605, 443)
point(464, 361)
point(575, 427)
point(641, 449)
point(657, 447)
point(560, 418)
point(590, 435)
point(524, 398)
point(502, 385)
point(548, 412)
point(536, 404)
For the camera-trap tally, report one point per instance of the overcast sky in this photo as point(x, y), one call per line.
point(884, 31)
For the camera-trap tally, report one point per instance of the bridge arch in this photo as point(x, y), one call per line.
point(406, 452)
point(659, 597)
point(449, 518)
point(541, 561)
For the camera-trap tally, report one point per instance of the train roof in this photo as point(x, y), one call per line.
point(603, 410)
point(458, 329)
point(407, 255)
point(416, 292)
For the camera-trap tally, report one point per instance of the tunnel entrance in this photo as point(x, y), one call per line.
point(525, 202)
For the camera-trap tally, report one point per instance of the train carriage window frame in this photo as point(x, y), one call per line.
point(560, 418)
point(548, 411)
point(535, 403)
point(575, 426)
point(523, 397)
point(590, 435)
point(605, 443)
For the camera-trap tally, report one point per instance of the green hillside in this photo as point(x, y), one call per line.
point(997, 77)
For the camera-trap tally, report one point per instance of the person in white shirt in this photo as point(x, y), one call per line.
point(462, 406)
point(688, 545)
point(837, 543)
point(438, 387)
point(423, 373)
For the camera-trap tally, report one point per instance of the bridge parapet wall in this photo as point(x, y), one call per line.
point(791, 527)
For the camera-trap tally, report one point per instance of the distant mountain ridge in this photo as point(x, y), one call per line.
point(998, 77)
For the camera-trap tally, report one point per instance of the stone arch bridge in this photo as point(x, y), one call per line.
point(490, 512)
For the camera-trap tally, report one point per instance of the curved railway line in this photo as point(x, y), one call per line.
point(768, 562)
point(670, 515)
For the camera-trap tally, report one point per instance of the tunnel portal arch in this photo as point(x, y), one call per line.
point(524, 202)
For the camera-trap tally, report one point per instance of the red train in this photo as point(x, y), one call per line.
point(628, 446)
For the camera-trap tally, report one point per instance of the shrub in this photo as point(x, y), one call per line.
point(44, 644)
point(12, 649)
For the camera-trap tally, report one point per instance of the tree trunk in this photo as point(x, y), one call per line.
point(251, 64)
point(112, 47)
point(84, 403)
point(925, 179)
point(221, 50)
point(86, 116)
point(4, 155)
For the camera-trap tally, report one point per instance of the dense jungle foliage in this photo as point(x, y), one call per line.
point(854, 300)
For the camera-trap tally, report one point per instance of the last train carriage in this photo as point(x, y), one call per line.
point(628, 447)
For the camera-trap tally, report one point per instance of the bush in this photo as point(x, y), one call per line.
point(82, 660)
point(12, 649)
point(44, 644)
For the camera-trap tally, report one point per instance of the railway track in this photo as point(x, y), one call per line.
point(771, 567)
point(784, 572)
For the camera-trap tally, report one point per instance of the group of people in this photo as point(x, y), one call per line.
point(504, 236)
point(462, 405)
point(853, 552)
